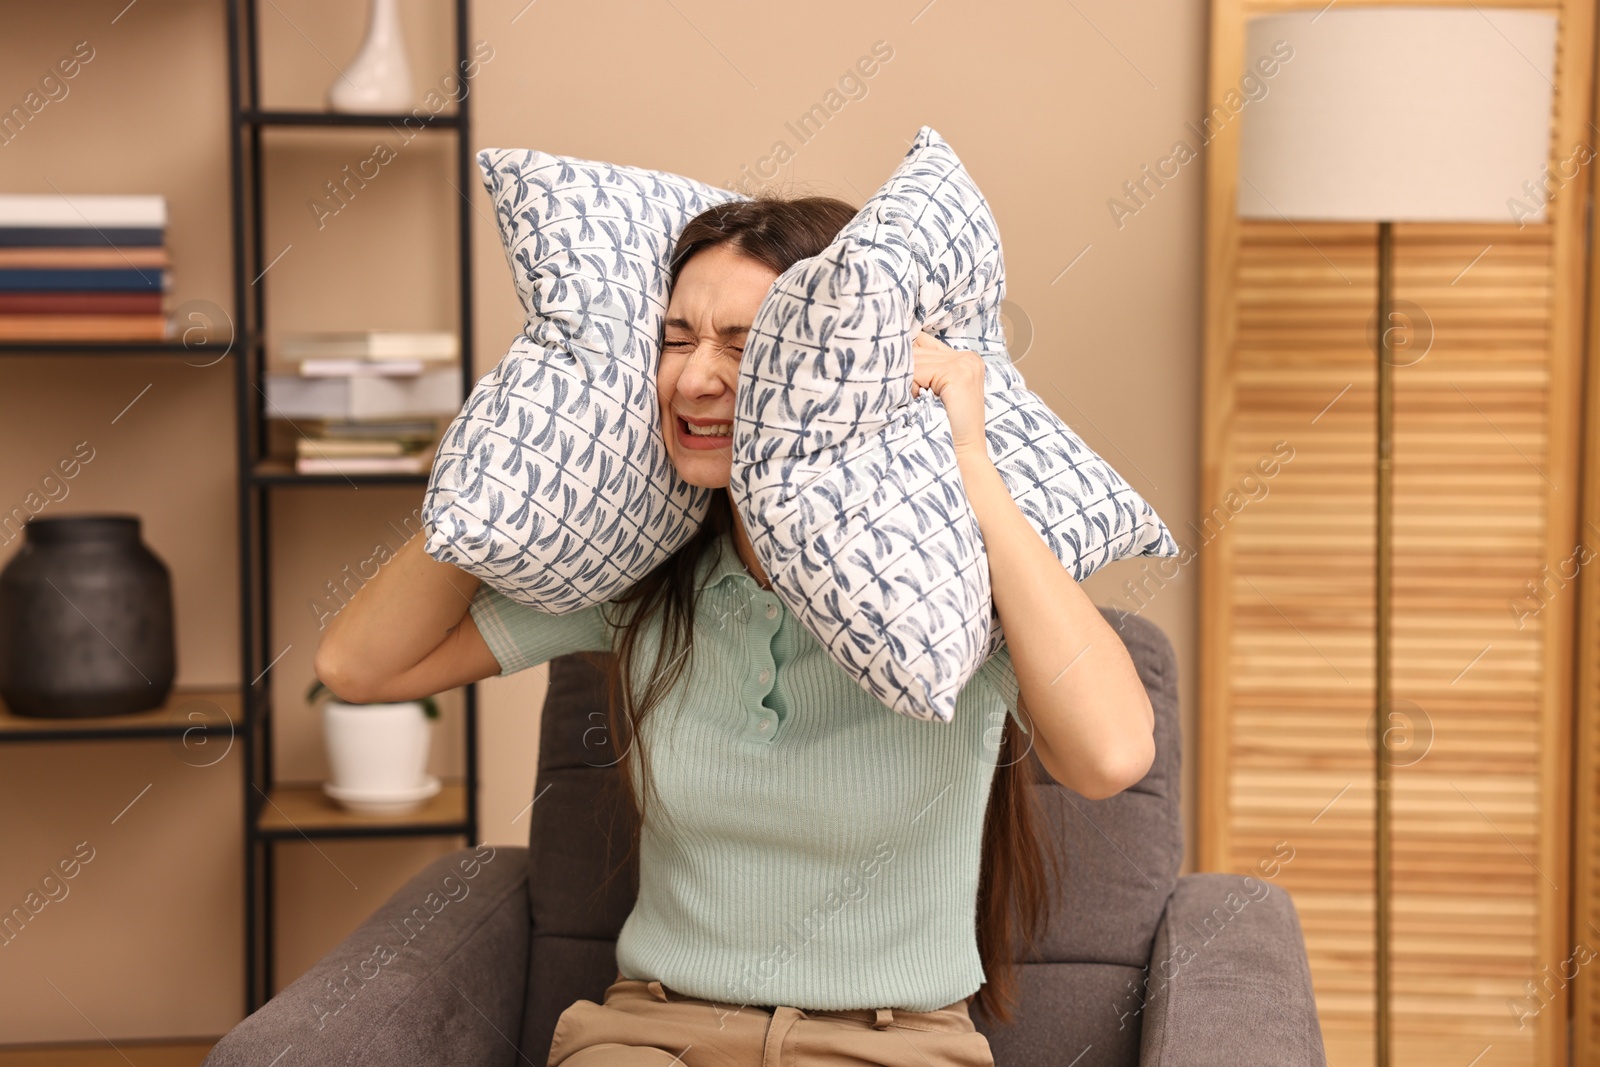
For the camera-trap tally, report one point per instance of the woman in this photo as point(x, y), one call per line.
point(818, 877)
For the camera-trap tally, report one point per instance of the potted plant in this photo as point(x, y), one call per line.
point(377, 753)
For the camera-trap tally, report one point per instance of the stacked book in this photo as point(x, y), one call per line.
point(83, 268)
point(365, 403)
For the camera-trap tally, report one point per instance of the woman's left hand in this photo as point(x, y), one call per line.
point(956, 378)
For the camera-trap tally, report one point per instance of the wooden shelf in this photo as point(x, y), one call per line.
point(297, 810)
point(187, 1052)
point(275, 471)
point(187, 711)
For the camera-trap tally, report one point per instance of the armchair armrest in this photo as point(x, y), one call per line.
point(1228, 981)
point(436, 975)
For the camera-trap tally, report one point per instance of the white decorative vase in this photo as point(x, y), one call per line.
point(378, 78)
point(378, 756)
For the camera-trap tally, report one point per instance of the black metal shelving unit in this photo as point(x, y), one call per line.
point(275, 813)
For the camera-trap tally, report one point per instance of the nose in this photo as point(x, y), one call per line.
point(706, 372)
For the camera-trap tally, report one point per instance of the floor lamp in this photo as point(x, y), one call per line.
point(1394, 114)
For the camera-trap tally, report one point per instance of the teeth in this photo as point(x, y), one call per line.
point(720, 430)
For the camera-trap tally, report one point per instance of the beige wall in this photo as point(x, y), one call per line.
point(1051, 107)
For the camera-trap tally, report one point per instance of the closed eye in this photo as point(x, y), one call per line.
point(677, 344)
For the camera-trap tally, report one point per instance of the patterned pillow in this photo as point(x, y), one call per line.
point(553, 484)
point(848, 486)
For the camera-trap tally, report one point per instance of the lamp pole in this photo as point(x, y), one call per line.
point(1385, 519)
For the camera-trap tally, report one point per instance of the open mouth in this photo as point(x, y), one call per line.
point(687, 434)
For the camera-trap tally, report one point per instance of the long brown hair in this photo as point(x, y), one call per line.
point(1013, 892)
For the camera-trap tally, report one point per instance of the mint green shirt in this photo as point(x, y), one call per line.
point(823, 851)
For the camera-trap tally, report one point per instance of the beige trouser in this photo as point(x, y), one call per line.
point(645, 1024)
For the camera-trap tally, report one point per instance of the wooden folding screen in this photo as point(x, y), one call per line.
point(1486, 488)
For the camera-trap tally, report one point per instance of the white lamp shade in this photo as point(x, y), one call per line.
point(1399, 114)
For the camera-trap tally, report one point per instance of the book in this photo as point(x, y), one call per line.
point(286, 437)
point(83, 210)
point(83, 256)
point(96, 280)
point(83, 327)
point(332, 447)
point(399, 430)
point(81, 236)
point(80, 303)
point(335, 368)
point(291, 396)
point(419, 463)
point(433, 345)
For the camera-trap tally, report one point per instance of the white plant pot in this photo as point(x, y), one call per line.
point(378, 78)
point(377, 754)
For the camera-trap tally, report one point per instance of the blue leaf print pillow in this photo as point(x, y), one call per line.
point(553, 483)
point(848, 486)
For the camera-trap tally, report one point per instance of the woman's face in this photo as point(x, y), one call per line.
point(708, 315)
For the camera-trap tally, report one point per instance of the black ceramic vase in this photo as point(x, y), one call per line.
point(85, 620)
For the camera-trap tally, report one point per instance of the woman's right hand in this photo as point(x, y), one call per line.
point(405, 634)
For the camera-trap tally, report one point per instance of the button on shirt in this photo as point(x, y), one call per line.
point(822, 851)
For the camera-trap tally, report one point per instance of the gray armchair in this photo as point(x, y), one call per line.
point(473, 960)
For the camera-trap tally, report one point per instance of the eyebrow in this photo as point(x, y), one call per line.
point(722, 331)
